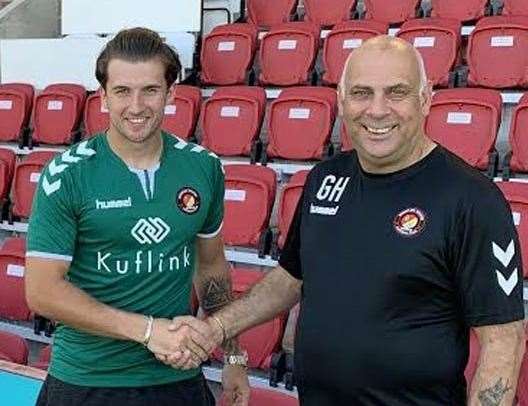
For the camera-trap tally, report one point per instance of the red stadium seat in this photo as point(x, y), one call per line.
point(346, 142)
point(13, 304)
point(497, 51)
point(398, 12)
point(515, 8)
point(466, 10)
point(249, 196)
point(300, 123)
point(287, 54)
point(329, 12)
point(96, 117)
point(57, 113)
point(265, 13)
point(16, 101)
point(227, 54)
point(438, 41)
point(268, 397)
point(517, 137)
point(14, 348)
point(288, 202)
point(260, 341)
point(231, 120)
point(516, 193)
point(342, 40)
point(182, 113)
point(7, 170)
point(43, 358)
point(27, 175)
point(466, 122)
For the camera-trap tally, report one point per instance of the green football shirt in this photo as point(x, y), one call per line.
point(130, 238)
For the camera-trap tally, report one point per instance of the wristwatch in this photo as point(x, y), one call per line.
point(240, 358)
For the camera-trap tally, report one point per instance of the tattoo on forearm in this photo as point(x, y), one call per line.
point(216, 293)
point(494, 395)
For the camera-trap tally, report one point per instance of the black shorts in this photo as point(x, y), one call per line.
point(191, 392)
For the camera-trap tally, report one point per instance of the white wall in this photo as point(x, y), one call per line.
point(110, 16)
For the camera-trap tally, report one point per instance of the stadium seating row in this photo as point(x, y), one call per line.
point(287, 54)
point(265, 14)
point(299, 123)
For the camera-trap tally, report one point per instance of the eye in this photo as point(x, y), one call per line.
point(359, 93)
point(121, 91)
point(398, 93)
point(152, 90)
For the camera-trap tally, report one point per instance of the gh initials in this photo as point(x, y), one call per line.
point(332, 188)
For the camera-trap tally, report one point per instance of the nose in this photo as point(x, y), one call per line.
point(378, 106)
point(137, 104)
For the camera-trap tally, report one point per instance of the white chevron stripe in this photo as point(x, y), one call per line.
point(504, 256)
point(83, 150)
point(181, 144)
point(507, 285)
point(50, 188)
point(197, 148)
point(56, 169)
point(66, 157)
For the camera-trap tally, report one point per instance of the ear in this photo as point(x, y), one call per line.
point(170, 94)
point(104, 98)
point(426, 98)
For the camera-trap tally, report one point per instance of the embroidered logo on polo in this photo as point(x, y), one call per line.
point(188, 200)
point(505, 257)
point(409, 222)
point(60, 163)
point(150, 230)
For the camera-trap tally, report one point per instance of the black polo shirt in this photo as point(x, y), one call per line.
point(396, 268)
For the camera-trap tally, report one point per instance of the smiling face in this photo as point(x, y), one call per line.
point(383, 105)
point(135, 95)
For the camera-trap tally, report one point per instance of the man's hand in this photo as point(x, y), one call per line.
point(183, 343)
point(236, 385)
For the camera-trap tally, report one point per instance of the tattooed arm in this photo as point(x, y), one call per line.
point(501, 353)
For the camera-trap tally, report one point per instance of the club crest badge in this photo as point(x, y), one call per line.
point(188, 200)
point(409, 222)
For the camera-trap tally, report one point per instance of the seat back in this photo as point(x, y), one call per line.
point(300, 122)
point(466, 10)
point(44, 358)
point(466, 122)
point(496, 54)
point(14, 348)
point(7, 170)
point(398, 12)
point(342, 40)
point(249, 196)
point(517, 138)
point(516, 193)
point(288, 202)
point(232, 118)
point(287, 54)
point(438, 41)
point(16, 100)
point(182, 113)
point(329, 12)
point(96, 116)
point(265, 13)
point(26, 177)
point(227, 54)
point(13, 305)
point(57, 113)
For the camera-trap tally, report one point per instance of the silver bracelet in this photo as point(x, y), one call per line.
point(148, 330)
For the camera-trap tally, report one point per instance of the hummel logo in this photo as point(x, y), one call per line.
point(504, 256)
point(507, 285)
point(148, 231)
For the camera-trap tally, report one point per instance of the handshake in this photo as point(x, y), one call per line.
point(184, 342)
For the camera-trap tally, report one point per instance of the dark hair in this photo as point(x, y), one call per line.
point(138, 45)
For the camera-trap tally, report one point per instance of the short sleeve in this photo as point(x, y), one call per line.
point(290, 258)
point(52, 225)
point(215, 214)
point(488, 262)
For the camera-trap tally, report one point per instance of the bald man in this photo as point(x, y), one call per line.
point(395, 251)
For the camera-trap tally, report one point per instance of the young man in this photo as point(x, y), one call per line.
point(119, 223)
point(395, 251)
